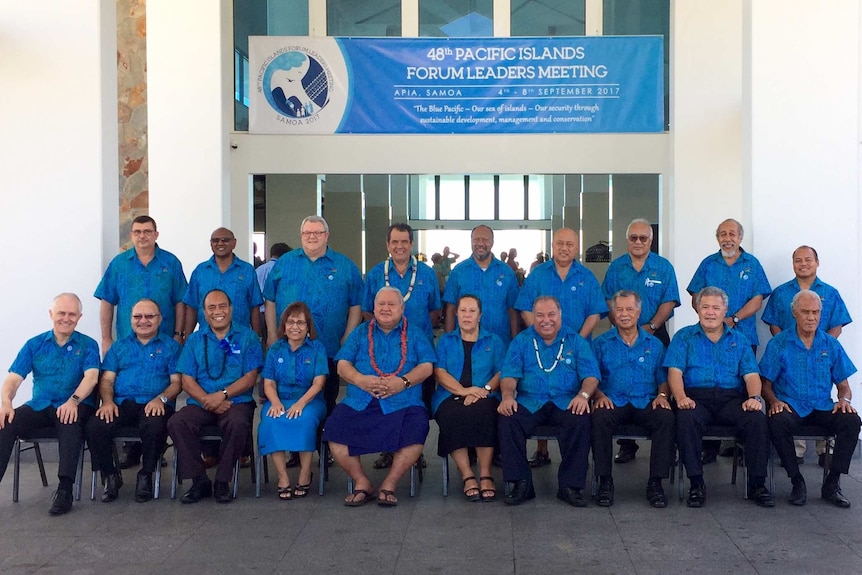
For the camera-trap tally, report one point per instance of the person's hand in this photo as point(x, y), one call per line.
point(778, 406)
point(295, 410)
point(579, 405)
point(386, 386)
point(68, 412)
point(7, 414)
point(660, 402)
point(843, 407)
point(751, 404)
point(276, 409)
point(507, 407)
point(728, 321)
point(686, 403)
point(211, 401)
point(154, 407)
point(108, 411)
point(604, 402)
point(222, 408)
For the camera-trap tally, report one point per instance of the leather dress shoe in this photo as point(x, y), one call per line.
point(113, 482)
point(572, 496)
point(61, 503)
point(761, 496)
point(626, 453)
point(221, 492)
point(655, 495)
point(833, 495)
point(799, 493)
point(199, 490)
point(696, 496)
point(539, 459)
point(521, 491)
point(144, 487)
point(605, 494)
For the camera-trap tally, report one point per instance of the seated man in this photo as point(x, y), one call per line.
point(65, 367)
point(799, 368)
point(138, 387)
point(554, 372)
point(383, 410)
point(633, 389)
point(219, 366)
point(713, 377)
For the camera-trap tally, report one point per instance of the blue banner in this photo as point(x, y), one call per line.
point(456, 86)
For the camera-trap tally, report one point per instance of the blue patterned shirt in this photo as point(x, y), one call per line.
point(804, 377)
point(579, 294)
point(424, 298)
point(239, 282)
point(496, 287)
point(387, 354)
point(536, 387)
point(833, 312)
point(143, 370)
point(215, 364)
point(742, 281)
point(127, 281)
point(57, 371)
point(329, 285)
point(294, 371)
point(630, 374)
point(705, 364)
point(486, 360)
point(655, 283)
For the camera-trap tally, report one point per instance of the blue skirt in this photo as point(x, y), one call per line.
point(283, 434)
point(370, 430)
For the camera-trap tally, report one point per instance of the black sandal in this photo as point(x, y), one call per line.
point(302, 490)
point(467, 490)
point(483, 492)
point(285, 493)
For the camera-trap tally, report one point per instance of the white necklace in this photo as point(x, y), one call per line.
point(556, 359)
point(412, 278)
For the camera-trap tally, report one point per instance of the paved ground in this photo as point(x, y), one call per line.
point(434, 535)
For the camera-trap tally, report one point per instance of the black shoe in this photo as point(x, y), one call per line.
point(129, 460)
point(572, 496)
point(626, 453)
point(655, 495)
point(112, 483)
point(384, 461)
point(605, 495)
point(708, 456)
point(799, 493)
point(293, 460)
point(144, 487)
point(800, 461)
point(199, 490)
point(832, 494)
point(539, 459)
point(821, 460)
point(697, 496)
point(521, 491)
point(61, 502)
point(221, 492)
point(761, 496)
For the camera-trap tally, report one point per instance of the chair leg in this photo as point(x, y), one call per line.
point(236, 478)
point(322, 471)
point(174, 474)
point(413, 471)
point(258, 466)
point(16, 478)
point(445, 476)
point(158, 479)
point(681, 486)
point(93, 484)
point(38, 451)
point(80, 475)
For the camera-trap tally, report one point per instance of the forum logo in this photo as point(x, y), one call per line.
point(296, 82)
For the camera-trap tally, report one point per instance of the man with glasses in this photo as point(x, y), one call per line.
point(328, 282)
point(138, 387)
point(653, 278)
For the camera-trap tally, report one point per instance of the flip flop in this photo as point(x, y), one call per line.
point(487, 494)
point(385, 501)
point(366, 497)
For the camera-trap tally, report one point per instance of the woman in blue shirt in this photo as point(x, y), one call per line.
point(293, 377)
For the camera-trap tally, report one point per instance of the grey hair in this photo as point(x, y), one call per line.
point(711, 291)
point(393, 290)
point(315, 219)
point(627, 293)
point(803, 293)
point(647, 223)
point(74, 296)
point(542, 298)
point(738, 227)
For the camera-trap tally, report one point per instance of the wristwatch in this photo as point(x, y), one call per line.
point(407, 382)
point(164, 399)
point(758, 398)
point(488, 387)
point(224, 391)
point(75, 398)
point(585, 395)
point(735, 320)
point(653, 326)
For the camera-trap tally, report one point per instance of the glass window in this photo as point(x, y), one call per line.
point(481, 198)
point(456, 18)
point(363, 18)
point(512, 198)
point(548, 18)
point(451, 198)
point(537, 200)
point(423, 197)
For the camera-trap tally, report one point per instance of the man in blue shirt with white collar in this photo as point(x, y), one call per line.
point(799, 368)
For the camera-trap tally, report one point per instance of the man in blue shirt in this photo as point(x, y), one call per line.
point(219, 366)
point(262, 271)
point(799, 368)
point(713, 377)
point(633, 389)
point(65, 368)
point(554, 373)
point(328, 282)
point(138, 387)
point(494, 282)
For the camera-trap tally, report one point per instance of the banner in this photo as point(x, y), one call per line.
point(303, 85)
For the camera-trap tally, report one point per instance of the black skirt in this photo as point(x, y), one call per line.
point(462, 425)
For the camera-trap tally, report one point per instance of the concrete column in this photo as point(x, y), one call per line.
point(289, 200)
point(343, 208)
point(376, 189)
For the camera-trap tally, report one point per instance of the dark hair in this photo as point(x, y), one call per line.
point(482, 226)
point(278, 250)
point(145, 220)
point(400, 228)
point(816, 257)
point(297, 308)
point(471, 296)
point(212, 291)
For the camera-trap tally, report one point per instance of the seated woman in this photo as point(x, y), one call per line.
point(469, 361)
point(383, 410)
point(293, 378)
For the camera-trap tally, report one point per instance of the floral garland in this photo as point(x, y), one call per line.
point(374, 365)
point(412, 278)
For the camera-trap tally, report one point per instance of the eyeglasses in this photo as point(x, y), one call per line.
point(310, 234)
point(146, 316)
point(296, 322)
point(221, 240)
point(143, 232)
point(642, 239)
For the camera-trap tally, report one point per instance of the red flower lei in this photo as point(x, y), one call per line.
point(374, 365)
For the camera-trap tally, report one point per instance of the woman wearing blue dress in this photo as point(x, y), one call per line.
point(293, 377)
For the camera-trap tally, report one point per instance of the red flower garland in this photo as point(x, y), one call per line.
point(374, 365)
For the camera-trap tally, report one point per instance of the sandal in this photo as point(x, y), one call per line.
point(471, 493)
point(388, 500)
point(487, 494)
point(366, 497)
point(285, 493)
point(302, 490)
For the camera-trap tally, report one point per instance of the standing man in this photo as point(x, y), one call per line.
point(138, 387)
point(799, 368)
point(713, 377)
point(492, 281)
point(226, 272)
point(554, 373)
point(219, 367)
point(653, 278)
point(262, 271)
point(328, 283)
point(65, 367)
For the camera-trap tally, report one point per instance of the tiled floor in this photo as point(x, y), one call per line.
point(434, 535)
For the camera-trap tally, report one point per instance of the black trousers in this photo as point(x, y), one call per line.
point(331, 386)
point(70, 435)
point(721, 407)
point(185, 427)
point(845, 426)
point(659, 422)
point(153, 431)
point(574, 441)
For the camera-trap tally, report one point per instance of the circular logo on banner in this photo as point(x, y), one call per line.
point(296, 84)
